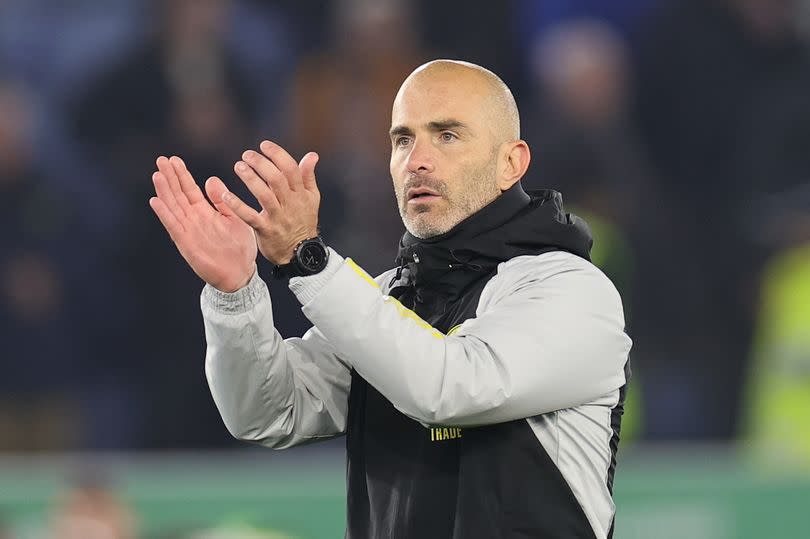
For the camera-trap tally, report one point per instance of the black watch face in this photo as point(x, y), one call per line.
point(312, 256)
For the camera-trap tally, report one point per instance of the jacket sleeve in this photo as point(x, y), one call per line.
point(269, 390)
point(549, 334)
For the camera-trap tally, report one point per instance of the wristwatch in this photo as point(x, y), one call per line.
point(309, 257)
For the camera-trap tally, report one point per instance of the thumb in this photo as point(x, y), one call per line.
point(214, 188)
point(307, 168)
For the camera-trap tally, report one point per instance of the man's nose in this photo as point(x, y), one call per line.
point(421, 158)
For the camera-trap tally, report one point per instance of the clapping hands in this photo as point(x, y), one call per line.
point(219, 236)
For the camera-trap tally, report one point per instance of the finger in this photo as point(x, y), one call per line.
point(307, 168)
point(173, 182)
point(261, 190)
point(285, 163)
point(187, 183)
point(167, 218)
point(166, 195)
point(266, 172)
point(214, 188)
point(243, 211)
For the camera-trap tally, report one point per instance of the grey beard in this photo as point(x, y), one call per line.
point(481, 190)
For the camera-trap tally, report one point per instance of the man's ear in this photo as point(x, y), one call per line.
point(514, 163)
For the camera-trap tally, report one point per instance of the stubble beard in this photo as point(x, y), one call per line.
point(424, 222)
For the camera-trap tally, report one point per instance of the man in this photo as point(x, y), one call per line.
point(480, 384)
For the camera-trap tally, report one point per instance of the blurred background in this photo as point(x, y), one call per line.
point(680, 129)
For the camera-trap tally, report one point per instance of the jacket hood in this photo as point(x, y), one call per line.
point(514, 224)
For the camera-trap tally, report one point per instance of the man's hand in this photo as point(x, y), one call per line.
point(288, 195)
point(218, 246)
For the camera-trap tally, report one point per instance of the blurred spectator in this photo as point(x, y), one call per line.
point(36, 328)
point(622, 16)
point(341, 107)
point(182, 93)
point(55, 46)
point(155, 97)
point(584, 145)
point(579, 124)
point(582, 138)
point(740, 73)
point(777, 405)
point(90, 509)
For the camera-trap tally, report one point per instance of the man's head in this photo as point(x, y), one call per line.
point(455, 144)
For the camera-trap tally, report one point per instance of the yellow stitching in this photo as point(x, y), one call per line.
point(454, 329)
point(359, 271)
point(407, 313)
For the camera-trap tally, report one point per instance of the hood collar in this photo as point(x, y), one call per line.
point(514, 224)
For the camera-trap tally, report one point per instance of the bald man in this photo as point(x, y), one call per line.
point(480, 383)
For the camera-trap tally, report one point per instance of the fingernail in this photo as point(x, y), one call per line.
point(248, 155)
point(240, 166)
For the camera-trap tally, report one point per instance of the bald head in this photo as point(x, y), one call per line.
point(455, 144)
point(476, 82)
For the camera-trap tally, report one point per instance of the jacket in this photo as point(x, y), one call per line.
point(480, 384)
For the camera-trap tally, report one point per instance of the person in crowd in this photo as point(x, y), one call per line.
point(722, 114)
point(38, 408)
point(90, 508)
point(182, 89)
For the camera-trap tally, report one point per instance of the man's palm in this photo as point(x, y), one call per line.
point(219, 247)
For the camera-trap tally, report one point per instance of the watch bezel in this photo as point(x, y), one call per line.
point(297, 267)
point(301, 264)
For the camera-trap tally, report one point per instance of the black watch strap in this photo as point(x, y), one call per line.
point(309, 257)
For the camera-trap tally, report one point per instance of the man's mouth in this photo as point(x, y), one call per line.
point(419, 195)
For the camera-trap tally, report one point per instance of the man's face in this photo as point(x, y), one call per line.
point(443, 155)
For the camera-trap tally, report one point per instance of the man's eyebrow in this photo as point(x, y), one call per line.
point(435, 126)
point(441, 125)
point(400, 130)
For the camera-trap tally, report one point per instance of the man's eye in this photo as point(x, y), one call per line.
point(402, 141)
point(447, 136)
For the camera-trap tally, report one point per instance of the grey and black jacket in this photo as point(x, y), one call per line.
point(480, 384)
